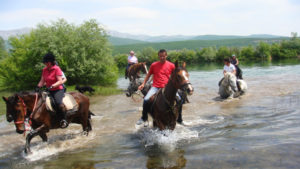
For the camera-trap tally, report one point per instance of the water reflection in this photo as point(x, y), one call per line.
point(157, 158)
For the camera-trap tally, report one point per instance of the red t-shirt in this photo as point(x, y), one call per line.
point(50, 76)
point(161, 73)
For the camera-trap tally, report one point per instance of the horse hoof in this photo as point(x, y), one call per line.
point(85, 133)
point(128, 94)
point(27, 151)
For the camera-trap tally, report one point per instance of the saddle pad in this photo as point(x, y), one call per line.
point(68, 100)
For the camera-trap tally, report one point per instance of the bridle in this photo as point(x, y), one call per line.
point(25, 109)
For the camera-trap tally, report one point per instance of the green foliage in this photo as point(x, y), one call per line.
point(275, 51)
point(3, 52)
point(208, 54)
point(148, 55)
point(195, 44)
point(263, 50)
point(223, 52)
point(247, 53)
point(121, 60)
point(81, 51)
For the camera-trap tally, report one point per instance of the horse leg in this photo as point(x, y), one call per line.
point(44, 137)
point(38, 131)
point(89, 125)
point(84, 109)
point(179, 119)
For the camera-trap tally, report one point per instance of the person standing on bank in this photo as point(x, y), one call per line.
point(131, 60)
point(52, 78)
point(161, 71)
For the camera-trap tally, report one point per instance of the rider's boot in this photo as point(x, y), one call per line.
point(63, 122)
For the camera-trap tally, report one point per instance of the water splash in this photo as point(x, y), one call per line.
point(58, 144)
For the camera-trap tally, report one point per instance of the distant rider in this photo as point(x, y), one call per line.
point(131, 60)
point(52, 78)
point(228, 67)
point(235, 62)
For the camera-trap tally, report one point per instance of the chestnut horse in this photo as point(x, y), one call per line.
point(164, 111)
point(133, 70)
point(32, 105)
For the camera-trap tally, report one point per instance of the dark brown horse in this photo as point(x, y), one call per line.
point(134, 70)
point(164, 111)
point(32, 105)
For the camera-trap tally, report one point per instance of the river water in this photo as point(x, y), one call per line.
point(258, 130)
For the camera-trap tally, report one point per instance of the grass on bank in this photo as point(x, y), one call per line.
point(99, 90)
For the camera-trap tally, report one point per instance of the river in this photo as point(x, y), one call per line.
point(258, 130)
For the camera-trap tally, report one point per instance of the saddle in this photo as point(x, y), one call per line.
point(68, 100)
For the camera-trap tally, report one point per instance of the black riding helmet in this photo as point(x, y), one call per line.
point(49, 57)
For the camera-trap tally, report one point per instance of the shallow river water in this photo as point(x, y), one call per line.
point(258, 130)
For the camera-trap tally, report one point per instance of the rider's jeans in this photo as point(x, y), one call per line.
point(152, 91)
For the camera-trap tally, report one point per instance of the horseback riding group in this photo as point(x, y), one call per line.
point(164, 96)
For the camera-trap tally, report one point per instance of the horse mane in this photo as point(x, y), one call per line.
point(25, 93)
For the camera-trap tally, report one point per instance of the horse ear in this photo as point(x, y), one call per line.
point(183, 65)
point(5, 99)
point(176, 64)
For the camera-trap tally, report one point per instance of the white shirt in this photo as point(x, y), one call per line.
point(132, 59)
point(229, 68)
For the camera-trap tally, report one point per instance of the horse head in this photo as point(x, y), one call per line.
point(16, 111)
point(180, 78)
point(230, 80)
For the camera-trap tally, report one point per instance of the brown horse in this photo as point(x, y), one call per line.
point(32, 105)
point(164, 111)
point(134, 70)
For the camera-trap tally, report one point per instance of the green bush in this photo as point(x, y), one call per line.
point(247, 53)
point(81, 51)
point(223, 52)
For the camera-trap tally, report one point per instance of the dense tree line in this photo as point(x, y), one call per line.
point(83, 53)
point(263, 51)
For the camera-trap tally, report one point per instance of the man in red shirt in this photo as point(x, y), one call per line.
point(161, 71)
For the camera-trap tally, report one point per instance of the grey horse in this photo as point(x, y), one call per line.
point(228, 86)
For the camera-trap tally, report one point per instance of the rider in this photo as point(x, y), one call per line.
point(52, 77)
point(228, 67)
point(132, 59)
point(235, 62)
point(161, 71)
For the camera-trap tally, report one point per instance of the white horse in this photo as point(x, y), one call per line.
point(228, 86)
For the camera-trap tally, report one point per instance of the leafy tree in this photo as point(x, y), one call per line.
point(81, 51)
point(208, 54)
point(275, 51)
point(187, 55)
point(247, 52)
point(3, 52)
point(173, 55)
point(263, 51)
point(223, 52)
point(148, 55)
point(121, 60)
